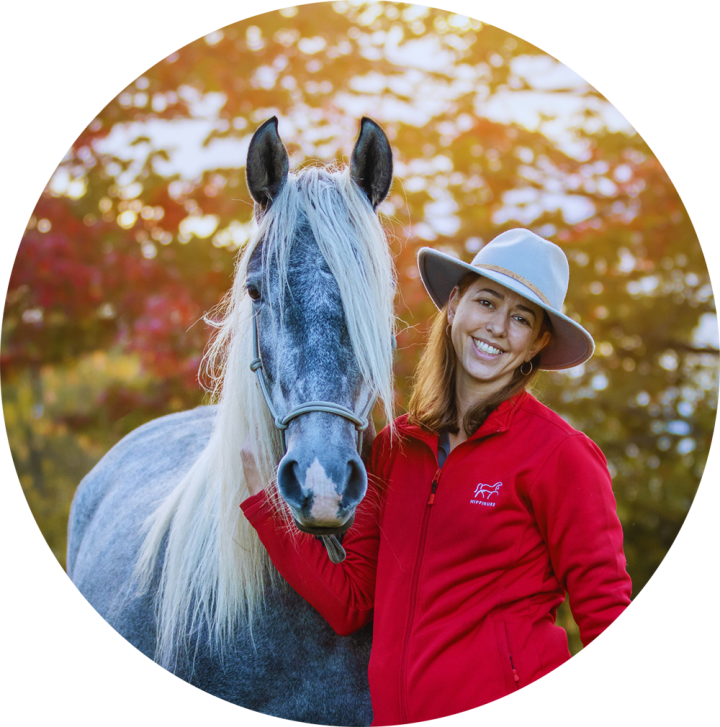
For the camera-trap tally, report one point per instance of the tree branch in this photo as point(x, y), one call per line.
point(686, 348)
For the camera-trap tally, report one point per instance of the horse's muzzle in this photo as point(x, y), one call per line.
point(322, 488)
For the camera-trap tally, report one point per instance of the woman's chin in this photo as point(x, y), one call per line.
point(485, 377)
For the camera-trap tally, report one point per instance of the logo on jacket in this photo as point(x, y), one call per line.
point(485, 492)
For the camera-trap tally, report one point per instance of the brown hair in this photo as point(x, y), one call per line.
point(432, 404)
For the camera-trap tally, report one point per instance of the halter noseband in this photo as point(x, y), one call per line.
point(329, 407)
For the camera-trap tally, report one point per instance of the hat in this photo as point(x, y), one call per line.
point(528, 265)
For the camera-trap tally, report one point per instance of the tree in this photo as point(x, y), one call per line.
point(135, 236)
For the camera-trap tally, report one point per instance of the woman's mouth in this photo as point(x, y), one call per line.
point(486, 347)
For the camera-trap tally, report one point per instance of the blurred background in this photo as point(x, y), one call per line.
point(135, 236)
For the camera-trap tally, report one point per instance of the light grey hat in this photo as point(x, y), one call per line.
point(529, 266)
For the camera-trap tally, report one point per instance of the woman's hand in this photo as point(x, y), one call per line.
point(252, 476)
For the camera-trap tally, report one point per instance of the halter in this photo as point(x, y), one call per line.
point(329, 407)
point(332, 544)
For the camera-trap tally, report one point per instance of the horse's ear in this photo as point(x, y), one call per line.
point(371, 162)
point(267, 163)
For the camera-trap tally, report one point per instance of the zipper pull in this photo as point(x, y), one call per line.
point(433, 488)
point(514, 671)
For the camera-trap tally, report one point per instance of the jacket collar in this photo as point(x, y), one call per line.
point(498, 421)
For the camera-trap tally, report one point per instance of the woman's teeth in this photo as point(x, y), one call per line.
point(486, 347)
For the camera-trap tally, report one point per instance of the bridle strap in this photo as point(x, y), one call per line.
point(328, 407)
point(335, 551)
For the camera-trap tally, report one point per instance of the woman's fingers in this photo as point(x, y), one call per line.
point(246, 450)
point(252, 476)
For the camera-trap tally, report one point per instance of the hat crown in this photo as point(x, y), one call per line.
point(526, 257)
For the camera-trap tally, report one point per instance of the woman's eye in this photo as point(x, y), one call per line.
point(253, 292)
point(485, 302)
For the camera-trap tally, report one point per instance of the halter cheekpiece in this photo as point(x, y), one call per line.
point(328, 407)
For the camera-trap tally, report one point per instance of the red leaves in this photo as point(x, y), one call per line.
point(58, 278)
point(164, 334)
point(77, 288)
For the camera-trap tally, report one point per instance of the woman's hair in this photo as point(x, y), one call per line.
point(432, 404)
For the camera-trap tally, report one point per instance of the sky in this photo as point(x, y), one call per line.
point(545, 74)
point(555, 103)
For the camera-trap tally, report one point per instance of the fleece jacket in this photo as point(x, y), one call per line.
point(463, 568)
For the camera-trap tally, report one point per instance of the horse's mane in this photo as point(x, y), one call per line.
point(215, 570)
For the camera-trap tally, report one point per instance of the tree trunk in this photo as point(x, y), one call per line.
point(35, 448)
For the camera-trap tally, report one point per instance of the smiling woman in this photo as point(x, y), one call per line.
point(494, 331)
point(485, 346)
point(445, 579)
point(455, 365)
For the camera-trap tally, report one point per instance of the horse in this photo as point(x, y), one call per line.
point(303, 346)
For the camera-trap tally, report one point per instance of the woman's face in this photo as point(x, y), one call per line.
point(493, 332)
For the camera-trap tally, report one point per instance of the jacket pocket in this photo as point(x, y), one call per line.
point(507, 664)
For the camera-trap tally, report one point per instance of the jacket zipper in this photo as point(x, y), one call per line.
point(516, 678)
point(514, 672)
point(413, 595)
point(433, 488)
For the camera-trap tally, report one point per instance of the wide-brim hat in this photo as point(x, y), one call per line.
point(528, 265)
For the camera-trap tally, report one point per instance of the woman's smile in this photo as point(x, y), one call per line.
point(487, 348)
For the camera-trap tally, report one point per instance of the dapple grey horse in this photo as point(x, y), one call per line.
point(157, 541)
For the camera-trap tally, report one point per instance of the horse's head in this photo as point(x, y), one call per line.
point(321, 284)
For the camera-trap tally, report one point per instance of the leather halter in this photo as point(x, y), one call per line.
point(329, 407)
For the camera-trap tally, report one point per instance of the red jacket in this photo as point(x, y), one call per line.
point(463, 587)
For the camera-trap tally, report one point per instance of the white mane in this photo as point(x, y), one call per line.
point(215, 570)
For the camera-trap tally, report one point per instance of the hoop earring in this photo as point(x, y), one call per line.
point(448, 329)
point(526, 373)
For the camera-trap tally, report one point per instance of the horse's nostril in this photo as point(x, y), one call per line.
point(356, 483)
point(289, 483)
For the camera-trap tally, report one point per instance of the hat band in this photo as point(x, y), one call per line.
point(519, 278)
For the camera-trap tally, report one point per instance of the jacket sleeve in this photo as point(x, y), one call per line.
point(343, 593)
point(576, 512)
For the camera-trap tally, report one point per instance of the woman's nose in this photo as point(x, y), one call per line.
point(497, 325)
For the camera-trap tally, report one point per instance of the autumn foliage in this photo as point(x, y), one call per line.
point(133, 240)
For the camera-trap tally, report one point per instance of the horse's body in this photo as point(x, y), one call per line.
point(289, 664)
point(157, 542)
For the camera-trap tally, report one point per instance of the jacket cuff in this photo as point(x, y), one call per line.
point(256, 506)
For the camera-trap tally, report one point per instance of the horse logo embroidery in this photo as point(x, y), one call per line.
point(485, 492)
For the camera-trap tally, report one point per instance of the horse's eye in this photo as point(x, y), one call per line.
point(253, 292)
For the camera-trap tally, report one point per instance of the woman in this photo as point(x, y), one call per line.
point(488, 506)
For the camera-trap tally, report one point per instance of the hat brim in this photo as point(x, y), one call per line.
point(570, 344)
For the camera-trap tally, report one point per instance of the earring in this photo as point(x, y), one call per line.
point(526, 373)
point(447, 329)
